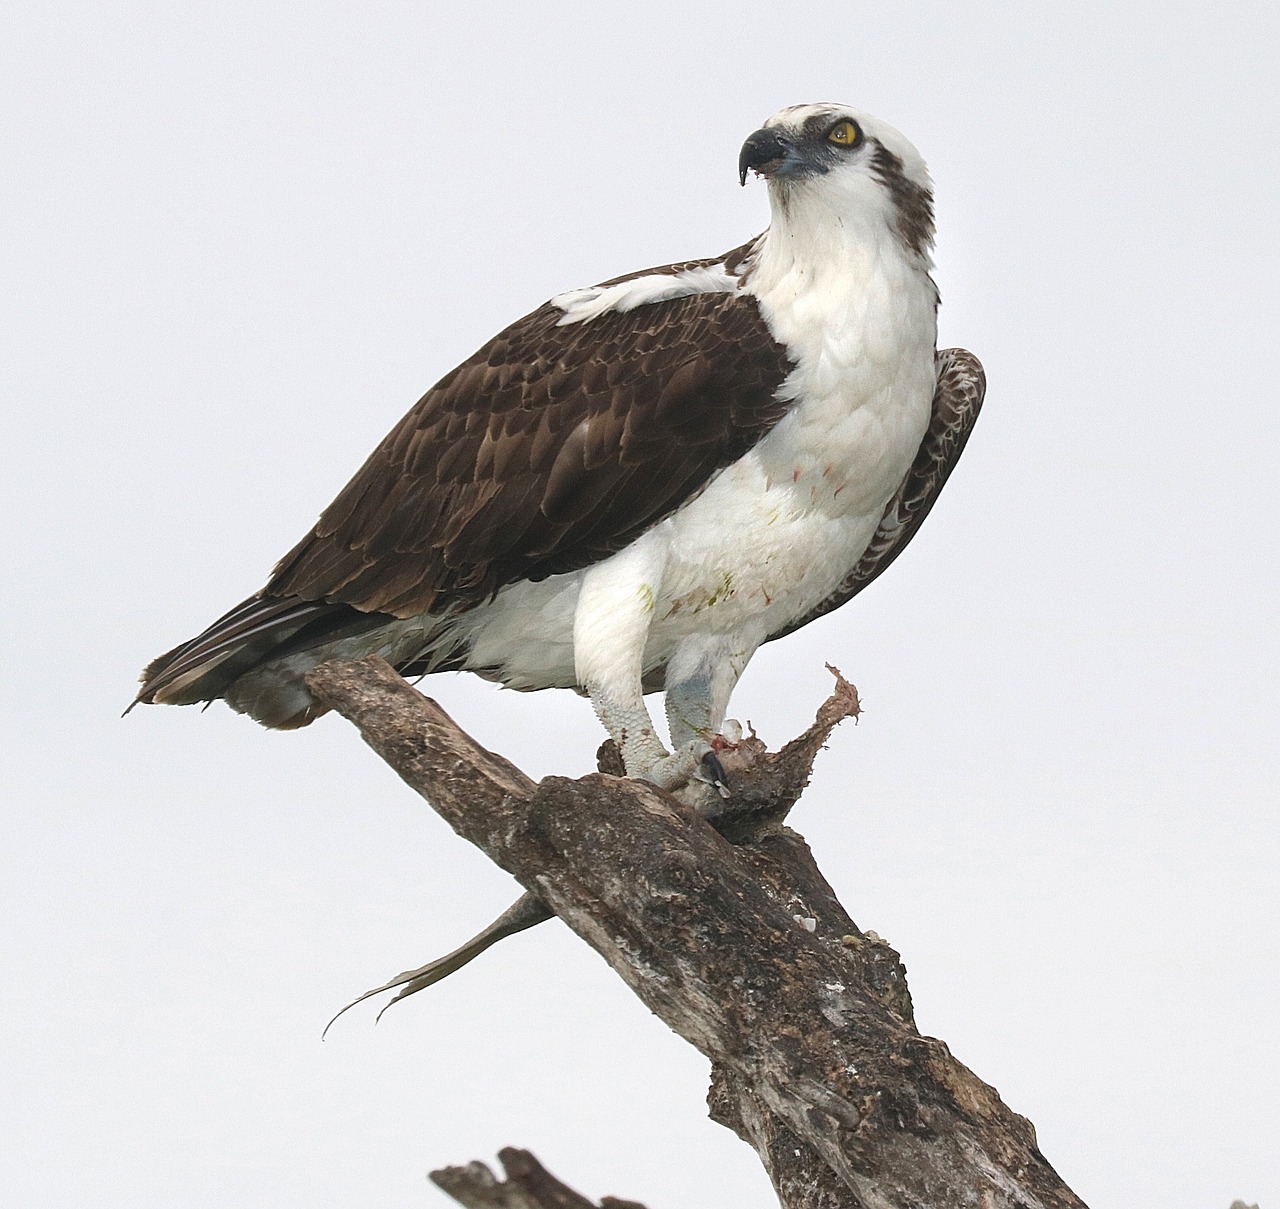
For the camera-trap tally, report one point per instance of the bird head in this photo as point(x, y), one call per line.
point(830, 158)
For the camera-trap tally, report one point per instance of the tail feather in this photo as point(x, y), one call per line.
point(257, 630)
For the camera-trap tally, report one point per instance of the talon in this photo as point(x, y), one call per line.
point(714, 772)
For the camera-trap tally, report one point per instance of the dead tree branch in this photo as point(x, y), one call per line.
point(737, 942)
point(528, 1185)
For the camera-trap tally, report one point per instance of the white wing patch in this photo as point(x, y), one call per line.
point(594, 301)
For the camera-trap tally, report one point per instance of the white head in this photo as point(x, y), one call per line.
point(829, 163)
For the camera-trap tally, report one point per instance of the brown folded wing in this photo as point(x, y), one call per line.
point(550, 449)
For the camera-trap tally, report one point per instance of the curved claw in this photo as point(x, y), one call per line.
point(713, 770)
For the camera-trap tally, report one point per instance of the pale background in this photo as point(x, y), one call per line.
point(242, 238)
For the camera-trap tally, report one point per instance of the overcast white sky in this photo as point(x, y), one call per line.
point(242, 238)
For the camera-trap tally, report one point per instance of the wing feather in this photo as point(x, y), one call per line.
point(549, 449)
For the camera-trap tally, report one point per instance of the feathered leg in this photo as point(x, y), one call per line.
point(700, 679)
point(610, 629)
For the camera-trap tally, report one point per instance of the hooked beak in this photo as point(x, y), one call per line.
point(765, 153)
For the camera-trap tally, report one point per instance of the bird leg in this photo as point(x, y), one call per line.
point(631, 728)
point(701, 676)
point(610, 629)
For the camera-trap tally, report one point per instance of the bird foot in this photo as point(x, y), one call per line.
point(701, 772)
point(682, 766)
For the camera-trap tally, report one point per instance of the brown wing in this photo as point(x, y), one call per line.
point(957, 399)
point(551, 448)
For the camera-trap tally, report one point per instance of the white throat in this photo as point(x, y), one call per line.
point(835, 280)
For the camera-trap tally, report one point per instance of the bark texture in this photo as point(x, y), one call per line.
point(727, 930)
point(528, 1185)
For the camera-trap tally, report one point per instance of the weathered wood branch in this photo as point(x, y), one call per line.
point(528, 1185)
point(738, 943)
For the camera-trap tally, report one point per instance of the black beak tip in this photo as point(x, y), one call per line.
point(763, 152)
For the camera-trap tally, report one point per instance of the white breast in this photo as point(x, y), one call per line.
point(774, 534)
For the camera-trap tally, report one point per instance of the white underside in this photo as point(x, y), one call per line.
point(771, 537)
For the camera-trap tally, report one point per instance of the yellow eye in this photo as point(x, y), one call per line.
point(844, 134)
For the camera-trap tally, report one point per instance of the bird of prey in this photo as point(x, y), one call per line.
point(641, 482)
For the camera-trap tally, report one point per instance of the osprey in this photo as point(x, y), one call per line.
point(639, 483)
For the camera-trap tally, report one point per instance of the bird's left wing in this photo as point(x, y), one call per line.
point(957, 399)
point(557, 444)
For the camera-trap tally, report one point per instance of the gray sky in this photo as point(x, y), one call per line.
point(241, 239)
